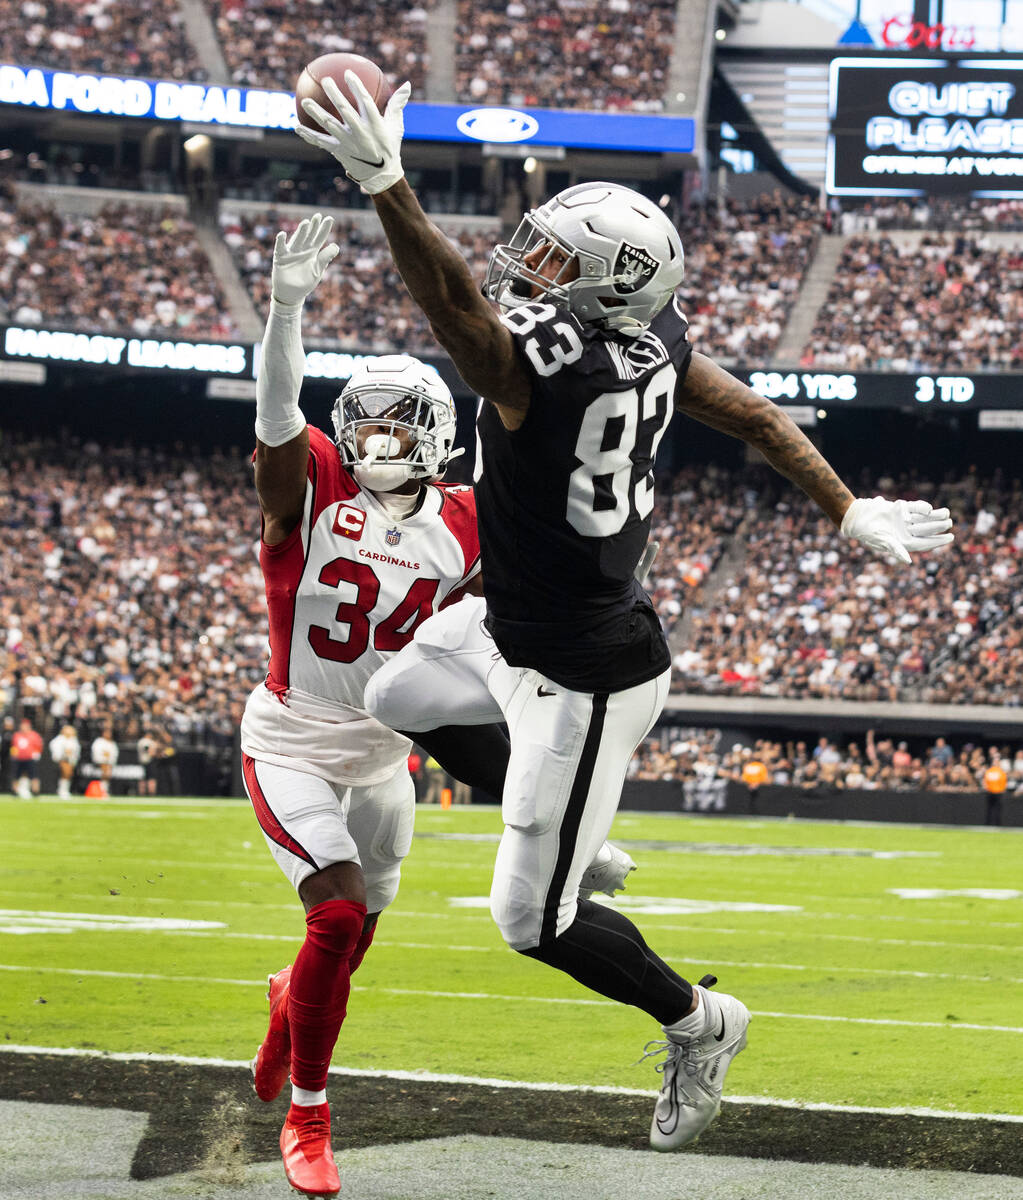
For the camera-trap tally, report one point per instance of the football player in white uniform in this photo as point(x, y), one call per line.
point(580, 375)
point(359, 545)
point(66, 752)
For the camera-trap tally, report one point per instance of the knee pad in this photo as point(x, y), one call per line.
point(518, 914)
point(335, 926)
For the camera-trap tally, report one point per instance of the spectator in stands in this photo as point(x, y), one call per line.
point(112, 36)
point(580, 55)
point(268, 45)
point(126, 269)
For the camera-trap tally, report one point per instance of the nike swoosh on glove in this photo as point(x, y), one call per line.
point(366, 143)
point(896, 527)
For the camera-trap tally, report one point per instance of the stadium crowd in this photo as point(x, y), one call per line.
point(937, 214)
point(266, 43)
point(128, 269)
point(362, 302)
point(102, 36)
point(940, 301)
point(869, 764)
point(573, 54)
point(804, 616)
point(745, 263)
point(134, 596)
point(132, 268)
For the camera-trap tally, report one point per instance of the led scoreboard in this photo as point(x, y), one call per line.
point(925, 125)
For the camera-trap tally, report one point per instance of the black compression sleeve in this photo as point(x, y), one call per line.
point(474, 754)
point(605, 952)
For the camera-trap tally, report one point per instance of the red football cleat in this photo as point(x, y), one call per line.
point(305, 1146)
point(272, 1063)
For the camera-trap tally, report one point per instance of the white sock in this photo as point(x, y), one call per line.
point(306, 1099)
point(697, 1022)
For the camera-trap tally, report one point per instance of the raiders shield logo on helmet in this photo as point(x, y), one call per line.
point(633, 267)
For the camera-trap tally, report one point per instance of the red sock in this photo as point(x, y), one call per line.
point(320, 984)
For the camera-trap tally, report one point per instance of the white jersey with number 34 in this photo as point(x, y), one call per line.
point(345, 591)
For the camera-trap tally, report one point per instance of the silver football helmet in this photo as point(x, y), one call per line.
point(629, 255)
point(392, 392)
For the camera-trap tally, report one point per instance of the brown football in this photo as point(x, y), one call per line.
point(334, 66)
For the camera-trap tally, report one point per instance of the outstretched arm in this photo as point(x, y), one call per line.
point(367, 143)
point(891, 528)
point(439, 280)
point(282, 436)
point(713, 396)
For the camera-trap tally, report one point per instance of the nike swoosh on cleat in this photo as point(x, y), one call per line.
point(719, 1037)
point(366, 162)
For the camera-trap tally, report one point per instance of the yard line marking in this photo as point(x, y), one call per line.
point(438, 995)
point(836, 937)
point(293, 939)
point(187, 1060)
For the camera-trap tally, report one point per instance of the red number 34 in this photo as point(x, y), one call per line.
point(390, 634)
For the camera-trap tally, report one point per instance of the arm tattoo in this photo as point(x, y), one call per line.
point(719, 400)
point(440, 282)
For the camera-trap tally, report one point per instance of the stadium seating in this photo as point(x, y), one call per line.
point(362, 303)
point(806, 616)
point(922, 301)
point(868, 763)
point(127, 268)
point(107, 36)
point(583, 54)
point(266, 43)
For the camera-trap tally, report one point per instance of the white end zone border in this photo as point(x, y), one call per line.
point(431, 1077)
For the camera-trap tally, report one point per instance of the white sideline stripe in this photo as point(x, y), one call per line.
point(524, 1085)
point(389, 991)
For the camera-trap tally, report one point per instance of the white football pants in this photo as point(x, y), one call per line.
point(569, 755)
point(310, 823)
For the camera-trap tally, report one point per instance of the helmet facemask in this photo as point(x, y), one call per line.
point(402, 400)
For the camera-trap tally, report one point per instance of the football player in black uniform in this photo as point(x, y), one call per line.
point(579, 377)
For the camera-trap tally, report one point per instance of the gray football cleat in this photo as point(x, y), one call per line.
point(694, 1070)
point(606, 873)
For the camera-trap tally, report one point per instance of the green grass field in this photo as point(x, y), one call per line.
point(863, 993)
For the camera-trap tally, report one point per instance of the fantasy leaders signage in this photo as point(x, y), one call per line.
point(255, 108)
point(234, 365)
point(920, 125)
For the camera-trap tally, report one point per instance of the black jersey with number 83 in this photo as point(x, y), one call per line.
point(564, 501)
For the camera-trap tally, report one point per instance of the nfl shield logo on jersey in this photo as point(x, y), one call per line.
point(393, 537)
point(633, 267)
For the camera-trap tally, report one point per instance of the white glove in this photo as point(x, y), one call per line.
point(299, 261)
point(894, 527)
point(366, 143)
